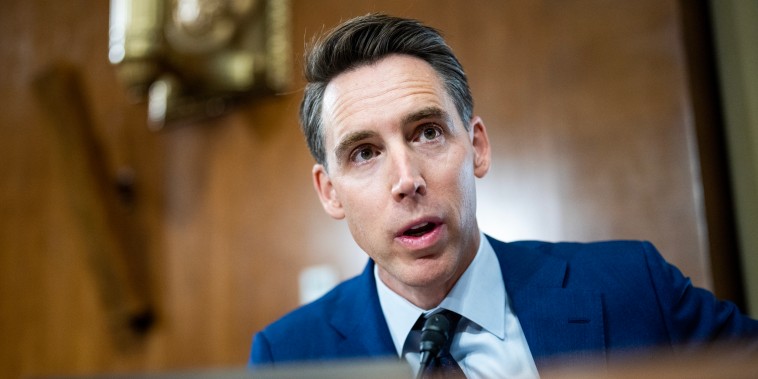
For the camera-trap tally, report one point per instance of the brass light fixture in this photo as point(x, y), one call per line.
point(193, 58)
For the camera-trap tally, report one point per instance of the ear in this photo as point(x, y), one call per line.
point(326, 192)
point(481, 143)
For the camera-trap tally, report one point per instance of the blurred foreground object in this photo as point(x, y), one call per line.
point(728, 360)
point(725, 361)
point(192, 59)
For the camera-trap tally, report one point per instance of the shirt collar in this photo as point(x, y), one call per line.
point(485, 308)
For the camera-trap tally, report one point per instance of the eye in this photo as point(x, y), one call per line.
point(429, 132)
point(364, 153)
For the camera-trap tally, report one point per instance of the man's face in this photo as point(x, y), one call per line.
point(401, 171)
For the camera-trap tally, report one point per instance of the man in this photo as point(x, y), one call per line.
point(388, 116)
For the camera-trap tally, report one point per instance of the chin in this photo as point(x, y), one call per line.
point(433, 274)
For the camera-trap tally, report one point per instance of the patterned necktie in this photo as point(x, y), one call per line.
point(443, 365)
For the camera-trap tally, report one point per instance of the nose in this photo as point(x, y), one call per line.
point(408, 180)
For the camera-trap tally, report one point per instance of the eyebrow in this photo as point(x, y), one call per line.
point(428, 112)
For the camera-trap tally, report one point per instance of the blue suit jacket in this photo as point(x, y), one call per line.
point(573, 300)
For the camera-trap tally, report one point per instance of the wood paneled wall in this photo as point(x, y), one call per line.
point(587, 104)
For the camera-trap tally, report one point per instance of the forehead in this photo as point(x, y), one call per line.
point(380, 94)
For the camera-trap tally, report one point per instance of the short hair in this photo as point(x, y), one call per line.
point(365, 40)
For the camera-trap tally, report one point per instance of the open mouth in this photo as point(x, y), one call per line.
point(420, 229)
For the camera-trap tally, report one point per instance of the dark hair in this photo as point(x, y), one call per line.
point(367, 39)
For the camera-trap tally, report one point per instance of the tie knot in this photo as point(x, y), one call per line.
point(451, 317)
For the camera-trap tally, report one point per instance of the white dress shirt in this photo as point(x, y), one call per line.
point(489, 342)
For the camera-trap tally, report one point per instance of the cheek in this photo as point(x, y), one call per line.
point(457, 175)
point(362, 203)
point(365, 222)
point(460, 188)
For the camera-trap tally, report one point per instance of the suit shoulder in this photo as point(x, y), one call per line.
point(597, 251)
point(321, 330)
point(312, 315)
point(301, 334)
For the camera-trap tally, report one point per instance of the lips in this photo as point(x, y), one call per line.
point(420, 234)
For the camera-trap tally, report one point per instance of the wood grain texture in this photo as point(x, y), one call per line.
point(586, 103)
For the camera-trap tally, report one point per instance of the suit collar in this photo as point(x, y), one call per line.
point(363, 325)
point(522, 266)
point(556, 320)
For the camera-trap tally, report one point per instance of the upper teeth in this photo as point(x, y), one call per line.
point(419, 226)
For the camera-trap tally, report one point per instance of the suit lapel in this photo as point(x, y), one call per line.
point(362, 324)
point(557, 321)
